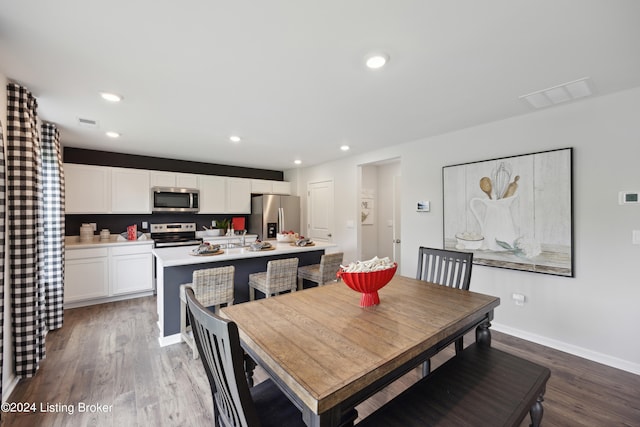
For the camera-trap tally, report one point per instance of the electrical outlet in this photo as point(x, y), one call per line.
point(519, 299)
point(145, 225)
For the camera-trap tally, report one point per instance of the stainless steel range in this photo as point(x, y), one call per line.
point(174, 234)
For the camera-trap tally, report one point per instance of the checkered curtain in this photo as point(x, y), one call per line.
point(25, 230)
point(52, 260)
point(2, 211)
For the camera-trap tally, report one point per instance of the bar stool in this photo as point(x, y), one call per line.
point(212, 287)
point(323, 272)
point(279, 277)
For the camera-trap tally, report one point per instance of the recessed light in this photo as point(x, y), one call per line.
point(297, 161)
point(234, 138)
point(377, 60)
point(345, 148)
point(111, 97)
point(112, 134)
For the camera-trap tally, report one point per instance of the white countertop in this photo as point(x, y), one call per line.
point(73, 242)
point(172, 257)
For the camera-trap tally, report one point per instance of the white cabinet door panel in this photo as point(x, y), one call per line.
point(86, 278)
point(238, 196)
point(213, 194)
point(130, 191)
point(87, 188)
point(131, 273)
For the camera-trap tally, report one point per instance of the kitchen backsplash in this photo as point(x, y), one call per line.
point(119, 223)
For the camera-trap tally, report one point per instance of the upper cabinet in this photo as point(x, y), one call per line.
point(103, 189)
point(173, 179)
point(238, 196)
point(262, 186)
point(213, 194)
point(219, 194)
point(87, 188)
point(130, 191)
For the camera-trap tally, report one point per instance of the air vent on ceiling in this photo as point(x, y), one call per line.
point(558, 94)
point(87, 122)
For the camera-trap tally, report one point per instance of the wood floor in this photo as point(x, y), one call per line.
point(109, 355)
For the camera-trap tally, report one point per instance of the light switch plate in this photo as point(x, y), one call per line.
point(635, 239)
point(628, 198)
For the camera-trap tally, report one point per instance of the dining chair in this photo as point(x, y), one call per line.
point(279, 277)
point(323, 272)
point(447, 268)
point(234, 403)
point(212, 287)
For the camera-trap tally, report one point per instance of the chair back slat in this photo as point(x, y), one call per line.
point(448, 268)
point(218, 343)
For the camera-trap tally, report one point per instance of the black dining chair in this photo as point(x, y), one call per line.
point(447, 268)
point(234, 403)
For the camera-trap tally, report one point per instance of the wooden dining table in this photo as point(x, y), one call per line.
point(327, 354)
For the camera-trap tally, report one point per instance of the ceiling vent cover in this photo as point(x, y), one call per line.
point(558, 94)
point(87, 122)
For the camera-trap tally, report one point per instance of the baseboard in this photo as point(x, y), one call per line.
point(8, 388)
point(594, 356)
point(170, 340)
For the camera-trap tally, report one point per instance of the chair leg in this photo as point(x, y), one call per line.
point(252, 293)
point(300, 283)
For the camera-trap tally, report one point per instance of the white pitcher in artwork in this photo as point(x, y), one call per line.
point(497, 222)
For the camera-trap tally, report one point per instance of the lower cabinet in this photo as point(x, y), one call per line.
point(92, 274)
point(86, 274)
point(131, 269)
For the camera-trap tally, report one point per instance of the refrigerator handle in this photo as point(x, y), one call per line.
point(280, 220)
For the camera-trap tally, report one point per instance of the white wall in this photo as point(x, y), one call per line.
point(8, 377)
point(593, 315)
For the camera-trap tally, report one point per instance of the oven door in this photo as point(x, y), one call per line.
point(165, 199)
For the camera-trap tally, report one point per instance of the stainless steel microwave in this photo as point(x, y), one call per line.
point(171, 199)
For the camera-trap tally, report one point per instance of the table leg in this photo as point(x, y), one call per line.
point(483, 334)
point(249, 367)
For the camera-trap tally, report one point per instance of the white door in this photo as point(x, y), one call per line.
point(320, 210)
point(396, 220)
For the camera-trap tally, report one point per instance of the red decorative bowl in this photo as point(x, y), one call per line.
point(368, 283)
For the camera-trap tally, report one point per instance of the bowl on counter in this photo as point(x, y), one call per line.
point(286, 237)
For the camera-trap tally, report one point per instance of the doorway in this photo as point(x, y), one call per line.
point(320, 210)
point(379, 228)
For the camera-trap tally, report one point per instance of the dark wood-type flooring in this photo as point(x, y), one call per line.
point(109, 355)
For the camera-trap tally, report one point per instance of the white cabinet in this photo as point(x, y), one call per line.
point(131, 269)
point(238, 196)
point(130, 191)
point(173, 179)
point(263, 186)
point(282, 187)
point(86, 274)
point(219, 194)
point(213, 194)
point(87, 188)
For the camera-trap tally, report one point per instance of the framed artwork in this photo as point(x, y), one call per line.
point(512, 212)
point(366, 210)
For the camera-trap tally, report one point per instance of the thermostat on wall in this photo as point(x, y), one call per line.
point(628, 197)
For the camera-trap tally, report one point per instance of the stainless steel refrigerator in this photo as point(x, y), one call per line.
point(271, 214)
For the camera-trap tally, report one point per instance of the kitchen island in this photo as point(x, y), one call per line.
point(175, 266)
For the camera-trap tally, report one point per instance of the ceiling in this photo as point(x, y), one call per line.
point(288, 76)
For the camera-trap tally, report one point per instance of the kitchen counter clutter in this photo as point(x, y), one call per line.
point(72, 242)
point(175, 266)
point(171, 257)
